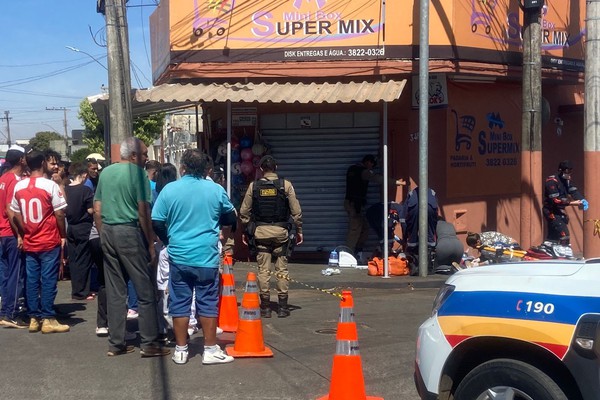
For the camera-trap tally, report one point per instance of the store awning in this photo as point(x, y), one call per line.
point(176, 96)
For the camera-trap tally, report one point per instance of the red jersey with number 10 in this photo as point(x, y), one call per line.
point(36, 199)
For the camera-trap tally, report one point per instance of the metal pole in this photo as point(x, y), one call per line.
point(423, 133)
point(7, 118)
point(119, 87)
point(385, 192)
point(591, 244)
point(229, 148)
point(198, 138)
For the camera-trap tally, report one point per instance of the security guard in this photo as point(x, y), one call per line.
point(558, 189)
point(266, 210)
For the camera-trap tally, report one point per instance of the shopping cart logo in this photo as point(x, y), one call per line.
point(464, 125)
point(212, 15)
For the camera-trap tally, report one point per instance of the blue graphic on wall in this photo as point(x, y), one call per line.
point(464, 130)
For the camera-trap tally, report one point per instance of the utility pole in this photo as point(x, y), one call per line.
point(64, 110)
point(7, 118)
point(119, 75)
point(531, 134)
point(591, 148)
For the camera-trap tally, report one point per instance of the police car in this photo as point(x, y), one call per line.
point(527, 330)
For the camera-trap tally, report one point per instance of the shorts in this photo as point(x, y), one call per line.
point(183, 280)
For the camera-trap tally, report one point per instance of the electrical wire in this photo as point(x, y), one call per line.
point(20, 81)
point(144, 36)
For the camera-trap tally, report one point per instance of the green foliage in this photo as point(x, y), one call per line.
point(41, 141)
point(94, 130)
point(80, 155)
point(148, 128)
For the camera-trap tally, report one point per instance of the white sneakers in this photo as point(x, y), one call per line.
point(180, 356)
point(132, 314)
point(192, 329)
point(214, 355)
point(101, 331)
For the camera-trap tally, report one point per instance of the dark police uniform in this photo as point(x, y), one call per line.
point(270, 202)
point(556, 197)
point(357, 185)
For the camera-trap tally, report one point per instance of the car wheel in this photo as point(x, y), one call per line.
point(507, 380)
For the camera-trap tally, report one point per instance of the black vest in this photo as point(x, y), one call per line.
point(356, 186)
point(270, 205)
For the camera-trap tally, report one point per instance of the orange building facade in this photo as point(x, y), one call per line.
point(475, 92)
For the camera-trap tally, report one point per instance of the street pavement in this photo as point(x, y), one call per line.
point(74, 365)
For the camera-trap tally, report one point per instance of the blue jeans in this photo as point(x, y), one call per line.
point(42, 271)
point(12, 275)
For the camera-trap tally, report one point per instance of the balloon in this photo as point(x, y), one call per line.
point(245, 142)
point(236, 168)
point(235, 143)
point(238, 180)
point(246, 154)
point(247, 168)
point(258, 149)
point(255, 161)
point(235, 155)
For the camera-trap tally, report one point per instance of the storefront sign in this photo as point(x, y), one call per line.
point(243, 116)
point(309, 30)
point(438, 91)
point(483, 142)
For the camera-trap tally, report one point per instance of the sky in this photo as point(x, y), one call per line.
point(38, 71)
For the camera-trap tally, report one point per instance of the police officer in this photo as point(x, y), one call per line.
point(558, 192)
point(358, 177)
point(266, 210)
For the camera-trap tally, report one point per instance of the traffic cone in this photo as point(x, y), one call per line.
point(228, 308)
point(249, 339)
point(347, 382)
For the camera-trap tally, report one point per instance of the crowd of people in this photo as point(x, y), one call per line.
point(129, 231)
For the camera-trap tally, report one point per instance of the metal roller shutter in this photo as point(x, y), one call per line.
point(315, 160)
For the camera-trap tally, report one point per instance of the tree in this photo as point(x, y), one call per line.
point(41, 141)
point(147, 128)
point(94, 130)
point(80, 155)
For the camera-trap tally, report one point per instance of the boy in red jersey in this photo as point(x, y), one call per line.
point(39, 207)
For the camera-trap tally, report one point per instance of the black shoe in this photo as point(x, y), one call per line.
point(154, 350)
point(17, 323)
point(283, 312)
point(265, 312)
point(126, 350)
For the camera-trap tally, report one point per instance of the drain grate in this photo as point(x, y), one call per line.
point(328, 331)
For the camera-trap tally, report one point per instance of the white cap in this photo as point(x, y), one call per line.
point(17, 147)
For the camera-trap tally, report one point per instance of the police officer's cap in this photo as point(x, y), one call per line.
point(268, 158)
point(565, 164)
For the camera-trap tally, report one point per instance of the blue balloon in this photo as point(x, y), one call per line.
point(235, 155)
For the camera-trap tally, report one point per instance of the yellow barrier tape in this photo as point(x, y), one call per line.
point(596, 226)
point(279, 275)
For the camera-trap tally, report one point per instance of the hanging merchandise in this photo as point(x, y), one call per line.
point(255, 161)
point(247, 168)
point(235, 156)
point(259, 148)
point(246, 141)
point(236, 168)
point(246, 154)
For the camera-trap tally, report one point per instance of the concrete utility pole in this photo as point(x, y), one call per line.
point(591, 148)
point(64, 110)
point(119, 76)
point(531, 142)
point(7, 118)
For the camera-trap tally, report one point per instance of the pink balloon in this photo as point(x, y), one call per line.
point(247, 154)
point(247, 167)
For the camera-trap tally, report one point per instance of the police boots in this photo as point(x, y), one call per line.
point(265, 306)
point(283, 310)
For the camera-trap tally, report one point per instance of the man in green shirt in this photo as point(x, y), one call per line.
point(122, 215)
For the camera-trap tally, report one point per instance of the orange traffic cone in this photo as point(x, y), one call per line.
point(249, 339)
point(228, 308)
point(347, 382)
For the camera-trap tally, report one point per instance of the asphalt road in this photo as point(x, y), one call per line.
point(74, 365)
